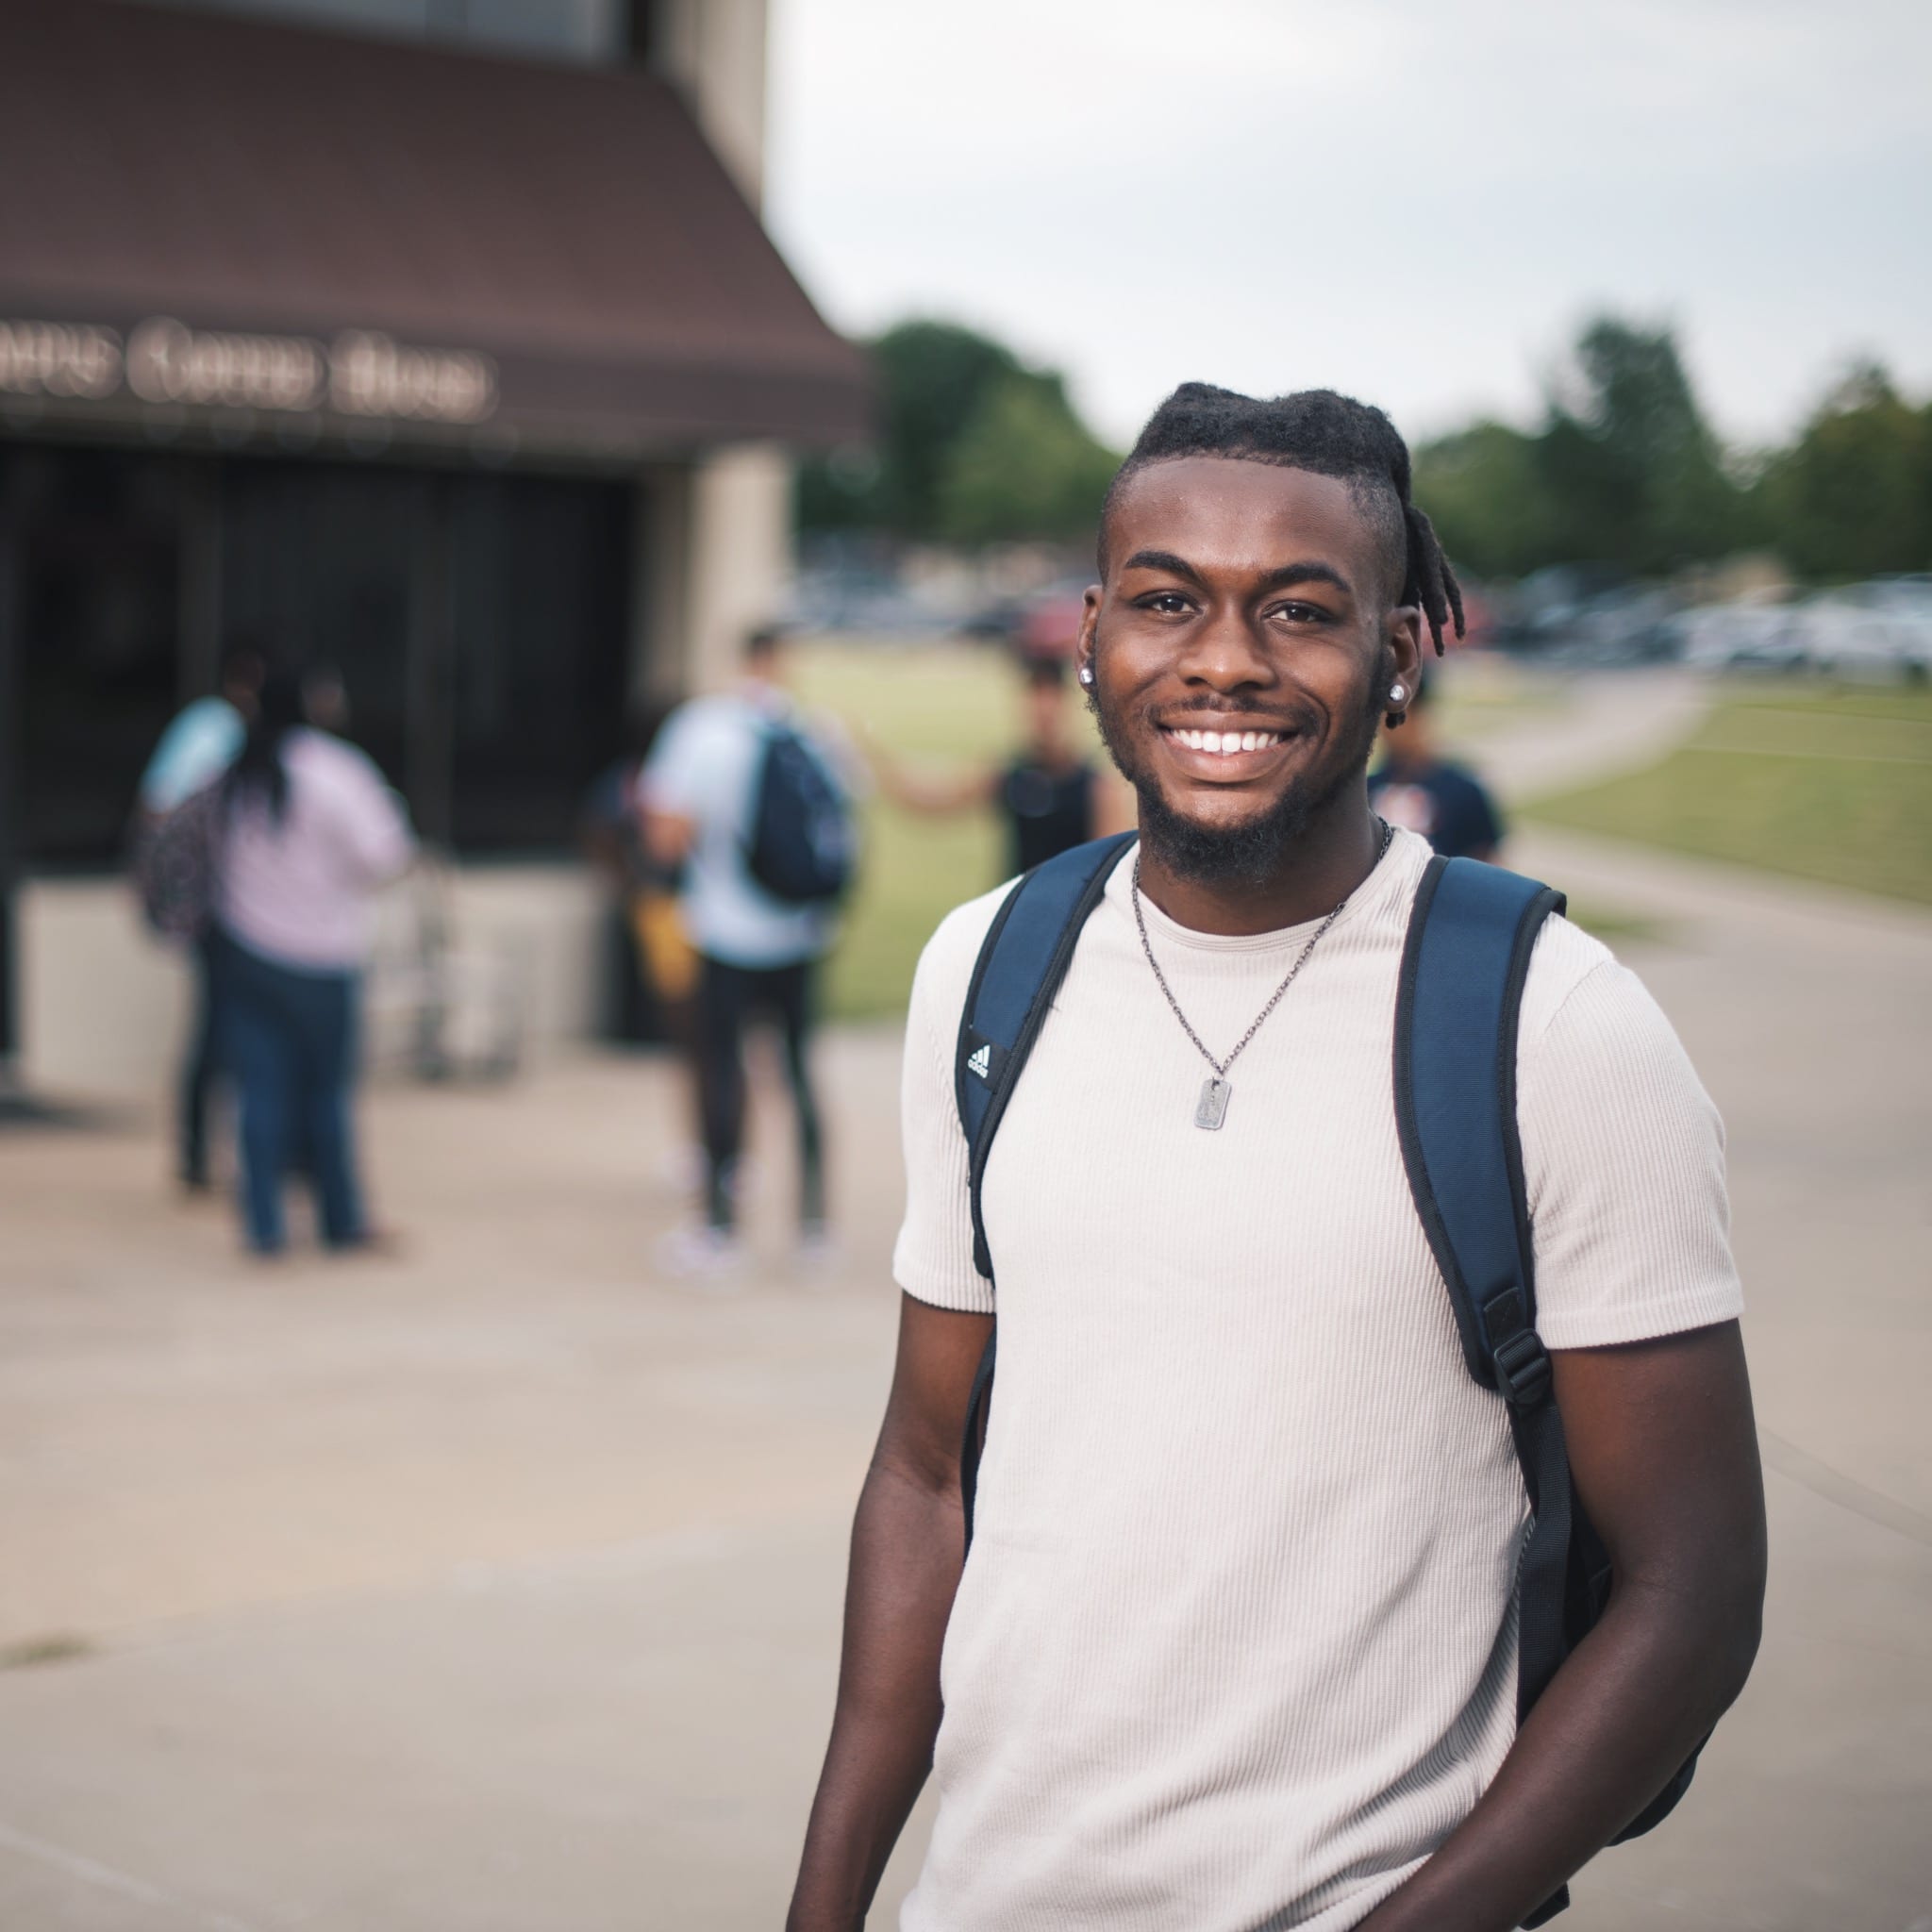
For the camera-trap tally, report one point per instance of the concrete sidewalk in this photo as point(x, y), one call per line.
point(498, 1587)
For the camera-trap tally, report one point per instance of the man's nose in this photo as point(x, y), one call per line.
point(1225, 652)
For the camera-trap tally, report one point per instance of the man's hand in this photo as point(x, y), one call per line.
point(908, 1543)
point(1665, 1456)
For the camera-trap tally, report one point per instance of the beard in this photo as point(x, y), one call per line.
point(1251, 853)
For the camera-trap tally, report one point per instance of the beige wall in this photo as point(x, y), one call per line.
point(715, 51)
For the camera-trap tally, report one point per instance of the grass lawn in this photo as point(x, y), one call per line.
point(940, 707)
point(1828, 784)
point(950, 707)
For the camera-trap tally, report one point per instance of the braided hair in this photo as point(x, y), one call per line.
point(1317, 430)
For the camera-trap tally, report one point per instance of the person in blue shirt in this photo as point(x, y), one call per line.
point(195, 751)
point(1419, 790)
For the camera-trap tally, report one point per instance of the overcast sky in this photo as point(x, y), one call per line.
point(1414, 202)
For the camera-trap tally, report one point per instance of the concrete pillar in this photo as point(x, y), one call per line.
point(740, 554)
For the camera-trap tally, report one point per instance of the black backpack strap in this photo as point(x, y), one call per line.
point(1460, 994)
point(1024, 959)
point(1469, 939)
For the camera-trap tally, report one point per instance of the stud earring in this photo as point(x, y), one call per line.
point(1397, 693)
point(1087, 673)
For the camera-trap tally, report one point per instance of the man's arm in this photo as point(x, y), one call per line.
point(1665, 1456)
point(908, 1541)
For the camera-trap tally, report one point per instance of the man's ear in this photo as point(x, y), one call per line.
point(1406, 644)
point(1089, 638)
point(1402, 661)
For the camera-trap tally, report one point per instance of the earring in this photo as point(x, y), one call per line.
point(1397, 693)
point(1087, 673)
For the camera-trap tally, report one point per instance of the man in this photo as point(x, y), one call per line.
point(1234, 1646)
point(1415, 787)
point(200, 744)
point(758, 954)
point(1048, 797)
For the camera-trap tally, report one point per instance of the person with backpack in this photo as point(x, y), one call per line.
point(198, 747)
point(312, 833)
point(1318, 1486)
point(754, 802)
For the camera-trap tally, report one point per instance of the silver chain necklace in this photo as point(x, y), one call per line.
point(1211, 1109)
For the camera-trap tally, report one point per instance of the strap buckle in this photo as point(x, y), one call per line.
point(1523, 1369)
point(1517, 1355)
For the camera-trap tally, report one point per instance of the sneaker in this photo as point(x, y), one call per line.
point(707, 1257)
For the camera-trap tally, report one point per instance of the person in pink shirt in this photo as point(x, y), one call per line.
point(313, 834)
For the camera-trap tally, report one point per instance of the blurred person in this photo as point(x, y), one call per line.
point(313, 834)
point(197, 748)
point(1416, 787)
point(1049, 796)
point(326, 699)
point(1247, 1613)
point(759, 954)
point(660, 960)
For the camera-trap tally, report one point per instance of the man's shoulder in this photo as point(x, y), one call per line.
point(1566, 956)
point(945, 965)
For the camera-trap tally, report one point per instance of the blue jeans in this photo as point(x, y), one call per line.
point(289, 1043)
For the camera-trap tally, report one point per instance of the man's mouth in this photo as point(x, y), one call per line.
point(1223, 743)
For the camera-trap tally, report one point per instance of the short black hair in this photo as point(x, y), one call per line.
point(1319, 430)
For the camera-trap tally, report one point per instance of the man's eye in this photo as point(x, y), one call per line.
point(1299, 613)
point(1168, 603)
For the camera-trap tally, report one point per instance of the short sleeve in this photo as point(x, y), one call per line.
point(673, 779)
point(933, 1258)
point(1623, 1162)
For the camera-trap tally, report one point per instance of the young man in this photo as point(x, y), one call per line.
point(1416, 787)
point(1236, 1645)
point(758, 955)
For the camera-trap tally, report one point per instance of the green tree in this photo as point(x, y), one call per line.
point(1632, 473)
point(1483, 491)
point(931, 378)
point(1026, 467)
point(1852, 497)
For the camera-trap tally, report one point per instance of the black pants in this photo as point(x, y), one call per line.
point(729, 998)
point(200, 1064)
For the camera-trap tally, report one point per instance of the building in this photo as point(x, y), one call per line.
point(436, 339)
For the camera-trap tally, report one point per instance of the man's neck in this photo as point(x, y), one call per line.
point(1335, 852)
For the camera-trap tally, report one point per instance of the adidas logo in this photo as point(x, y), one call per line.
point(981, 1063)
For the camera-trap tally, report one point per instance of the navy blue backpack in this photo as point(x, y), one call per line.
point(803, 846)
point(1463, 966)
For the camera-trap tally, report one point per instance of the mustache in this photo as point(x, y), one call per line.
point(1299, 717)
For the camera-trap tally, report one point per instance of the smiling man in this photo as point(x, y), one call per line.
point(1236, 1646)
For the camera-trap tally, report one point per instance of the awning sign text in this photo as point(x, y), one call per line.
point(358, 372)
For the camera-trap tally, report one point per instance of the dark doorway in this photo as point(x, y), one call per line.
point(95, 543)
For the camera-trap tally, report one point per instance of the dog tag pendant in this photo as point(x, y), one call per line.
point(1211, 1109)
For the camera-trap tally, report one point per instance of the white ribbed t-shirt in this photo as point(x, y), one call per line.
point(1234, 1649)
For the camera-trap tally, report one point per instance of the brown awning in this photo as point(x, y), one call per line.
point(211, 217)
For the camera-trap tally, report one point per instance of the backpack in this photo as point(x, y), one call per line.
point(1461, 990)
point(803, 846)
point(175, 860)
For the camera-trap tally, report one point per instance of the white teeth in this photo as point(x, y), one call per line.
point(1226, 743)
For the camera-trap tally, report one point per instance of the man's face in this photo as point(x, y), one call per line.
point(1243, 648)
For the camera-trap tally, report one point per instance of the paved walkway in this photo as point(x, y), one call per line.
point(497, 1590)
